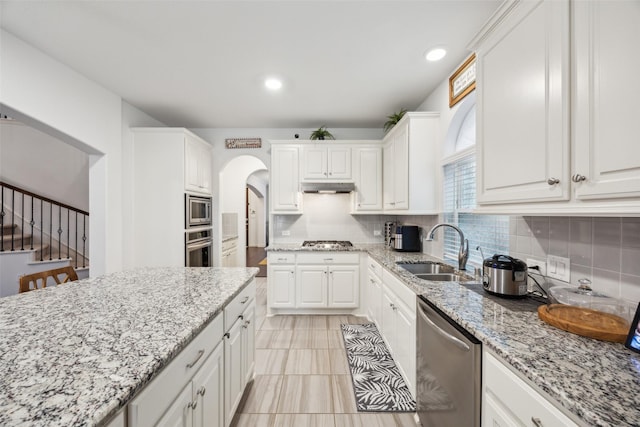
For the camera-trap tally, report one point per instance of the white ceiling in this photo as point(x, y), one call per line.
point(201, 64)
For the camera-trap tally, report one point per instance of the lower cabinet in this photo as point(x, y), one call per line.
point(374, 292)
point(507, 400)
point(203, 384)
point(398, 326)
point(281, 280)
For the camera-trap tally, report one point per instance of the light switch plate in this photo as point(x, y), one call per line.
point(377, 232)
point(559, 268)
point(286, 233)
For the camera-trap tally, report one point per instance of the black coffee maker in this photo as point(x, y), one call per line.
point(407, 238)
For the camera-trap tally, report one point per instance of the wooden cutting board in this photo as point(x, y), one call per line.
point(586, 322)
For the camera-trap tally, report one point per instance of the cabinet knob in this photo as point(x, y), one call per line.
point(553, 181)
point(201, 391)
point(578, 178)
point(536, 422)
point(245, 299)
point(193, 405)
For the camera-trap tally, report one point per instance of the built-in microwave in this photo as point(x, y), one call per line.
point(197, 211)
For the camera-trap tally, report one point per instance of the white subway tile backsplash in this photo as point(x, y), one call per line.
point(607, 253)
point(630, 248)
point(559, 236)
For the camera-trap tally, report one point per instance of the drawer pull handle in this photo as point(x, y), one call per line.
point(192, 364)
point(193, 405)
point(328, 259)
point(244, 300)
point(241, 317)
point(201, 391)
point(536, 422)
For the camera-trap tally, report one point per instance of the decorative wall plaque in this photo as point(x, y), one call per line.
point(243, 142)
point(463, 81)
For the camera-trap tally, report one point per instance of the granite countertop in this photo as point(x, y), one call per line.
point(297, 247)
point(596, 381)
point(74, 354)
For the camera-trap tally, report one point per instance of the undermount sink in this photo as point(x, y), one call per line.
point(434, 271)
point(426, 268)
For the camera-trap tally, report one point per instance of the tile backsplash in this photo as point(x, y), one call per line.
point(604, 250)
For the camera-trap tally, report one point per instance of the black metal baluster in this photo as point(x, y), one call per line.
point(32, 222)
point(41, 229)
point(22, 223)
point(84, 238)
point(59, 232)
point(68, 232)
point(76, 247)
point(13, 219)
point(2, 221)
point(50, 231)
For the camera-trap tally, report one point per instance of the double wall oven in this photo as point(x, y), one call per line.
point(199, 231)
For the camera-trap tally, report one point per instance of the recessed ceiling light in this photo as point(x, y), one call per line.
point(272, 83)
point(436, 54)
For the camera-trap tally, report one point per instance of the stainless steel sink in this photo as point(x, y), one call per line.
point(426, 268)
point(444, 277)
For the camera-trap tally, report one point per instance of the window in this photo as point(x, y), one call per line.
point(490, 232)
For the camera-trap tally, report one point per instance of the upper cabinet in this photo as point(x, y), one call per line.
point(367, 170)
point(197, 155)
point(409, 165)
point(320, 161)
point(554, 127)
point(284, 182)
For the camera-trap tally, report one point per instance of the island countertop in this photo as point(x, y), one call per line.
point(74, 354)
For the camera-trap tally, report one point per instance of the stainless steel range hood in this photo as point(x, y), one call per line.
point(328, 187)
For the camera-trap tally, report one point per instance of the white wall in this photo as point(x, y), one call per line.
point(46, 94)
point(44, 165)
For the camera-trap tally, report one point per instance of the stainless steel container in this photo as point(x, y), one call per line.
point(389, 230)
point(504, 276)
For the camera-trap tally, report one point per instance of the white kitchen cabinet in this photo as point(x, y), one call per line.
point(249, 342)
point(173, 398)
point(156, 216)
point(343, 286)
point(229, 252)
point(320, 286)
point(508, 401)
point(284, 180)
point(311, 286)
point(281, 280)
point(326, 162)
point(374, 292)
point(197, 165)
point(367, 196)
point(551, 123)
point(398, 326)
point(409, 166)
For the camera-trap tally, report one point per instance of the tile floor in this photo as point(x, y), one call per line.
point(302, 376)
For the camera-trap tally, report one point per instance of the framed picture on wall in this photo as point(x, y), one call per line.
point(463, 81)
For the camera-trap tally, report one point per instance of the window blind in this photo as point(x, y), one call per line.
point(490, 232)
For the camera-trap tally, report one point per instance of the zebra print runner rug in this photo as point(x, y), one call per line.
point(377, 382)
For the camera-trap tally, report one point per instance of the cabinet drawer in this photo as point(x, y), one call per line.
point(235, 308)
point(147, 408)
point(328, 258)
point(281, 258)
point(229, 244)
point(375, 267)
point(518, 398)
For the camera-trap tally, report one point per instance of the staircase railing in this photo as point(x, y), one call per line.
point(41, 214)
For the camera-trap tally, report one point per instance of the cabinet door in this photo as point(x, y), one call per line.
point(522, 111)
point(606, 152)
point(285, 179)
point(388, 176)
point(233, 375)
point(494, 415)
point(197, 166)
point(401, 167)
point(375, 300)
point(249, 342)
point(344, 289)
point(339, 162)
point(388, 317)
point(208, 386)
point(311, 284)
point(405, 351)
point(180, 413)
point(281, 291)
point(368, 196)
point(314, 163)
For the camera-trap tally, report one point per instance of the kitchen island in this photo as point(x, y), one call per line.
point(77, 353)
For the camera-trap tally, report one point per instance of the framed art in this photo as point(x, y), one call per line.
point(463, 81)
point(633, 339)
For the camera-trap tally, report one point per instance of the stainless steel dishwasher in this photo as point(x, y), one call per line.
point(448, 381)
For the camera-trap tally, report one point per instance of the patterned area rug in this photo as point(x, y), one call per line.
point(377, 382)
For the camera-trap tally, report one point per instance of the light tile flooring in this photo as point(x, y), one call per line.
point(302, 376)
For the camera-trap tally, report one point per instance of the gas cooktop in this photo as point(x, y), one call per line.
point(327, 244)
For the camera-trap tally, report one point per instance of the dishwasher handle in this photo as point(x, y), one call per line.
point(453, 340)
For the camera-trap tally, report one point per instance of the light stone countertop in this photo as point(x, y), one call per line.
point(597, 382)
point(74, 354)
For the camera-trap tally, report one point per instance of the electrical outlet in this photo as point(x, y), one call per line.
point(559, 268)
point(542, 266)
point(286, 233)
point(377, 233)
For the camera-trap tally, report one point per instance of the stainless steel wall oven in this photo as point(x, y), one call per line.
point(199, 248)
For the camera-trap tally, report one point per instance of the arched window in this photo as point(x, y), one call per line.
point(490, 232)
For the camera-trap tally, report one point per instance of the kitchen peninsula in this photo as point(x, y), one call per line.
point(77, 353)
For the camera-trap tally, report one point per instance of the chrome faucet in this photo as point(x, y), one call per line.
point(463, 253)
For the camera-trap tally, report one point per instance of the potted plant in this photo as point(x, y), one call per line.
point(321, 133)
point(393, 119)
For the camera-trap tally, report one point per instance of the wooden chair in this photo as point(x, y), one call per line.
point(68, 275)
